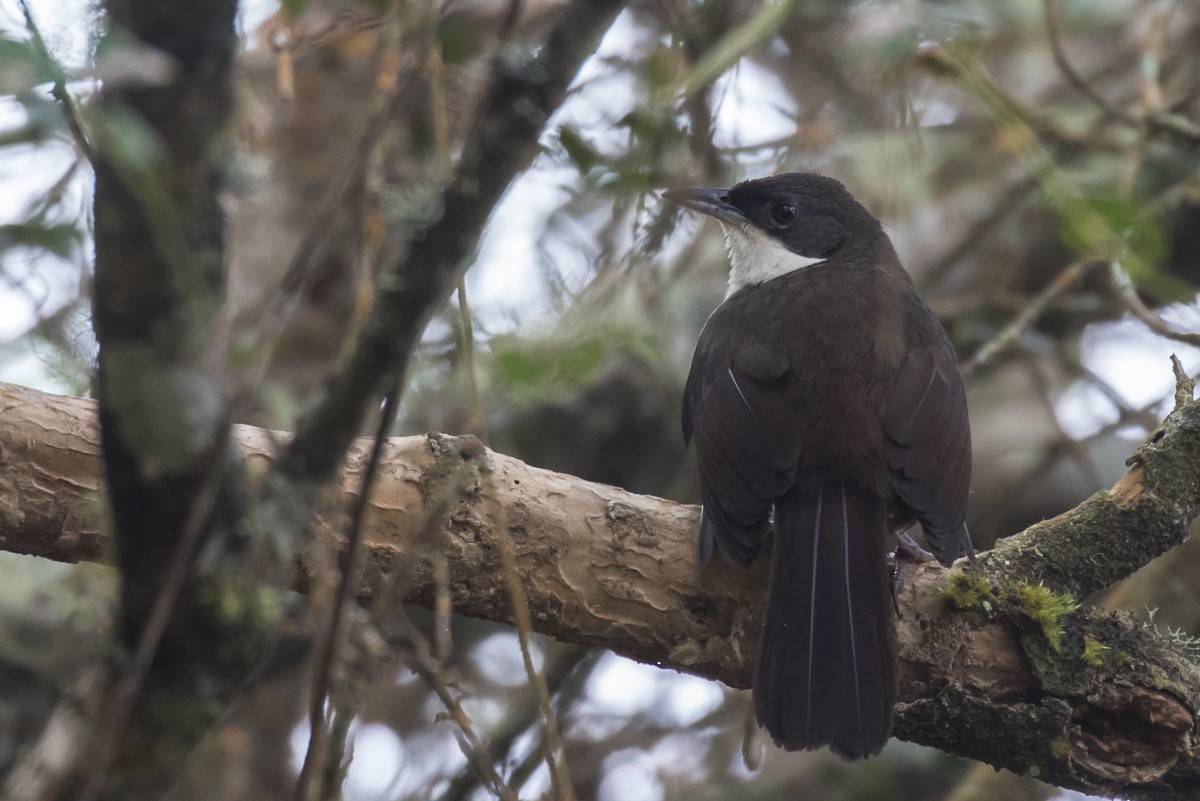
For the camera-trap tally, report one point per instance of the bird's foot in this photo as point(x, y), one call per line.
point(907, 551)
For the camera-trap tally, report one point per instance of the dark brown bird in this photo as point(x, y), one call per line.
point(826, 406)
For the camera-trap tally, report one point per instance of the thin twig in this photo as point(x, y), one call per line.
point(118, 707)
point(264, 337)
point(1185, 386)
point(53, 195)
point(323, 664)
point(1164, 121)
point(59, 89)
point(511, 17)
point(425, 666)
point(575, 684)
point(285, 40)
point(477, 423)
point(443, 608)
point(436, 69)
point(566, 676)
point(1009, 200)
point(1150, 93)
point(1028, 316)
point(1044, 392)
point(1145, 417)
point(737, 43)
point(699, 35)
point(1068, 71)
point(1150, 97)
point(1127, 294)
point(560, 778)
point(333, 776)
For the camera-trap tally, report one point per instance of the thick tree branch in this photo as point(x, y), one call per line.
point(159, 284)
point(993, 665)
point(1114, 532)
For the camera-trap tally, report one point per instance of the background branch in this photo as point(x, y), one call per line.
point(502, 142)
point(159, 283)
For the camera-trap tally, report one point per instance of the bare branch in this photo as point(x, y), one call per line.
point(425, 666)
point(1185, 387)
point(737, 43)
point(1068, 71)
point(327, 648)
point(59, 89)
point(1155, 119)
point(1028, 316)
point(1127, 293)
point(1109, 710)
point(556, 763)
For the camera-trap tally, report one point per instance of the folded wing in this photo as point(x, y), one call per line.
point(928, 448)
point(737, 411)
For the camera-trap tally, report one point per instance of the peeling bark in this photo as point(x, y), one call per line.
point(1111, 710)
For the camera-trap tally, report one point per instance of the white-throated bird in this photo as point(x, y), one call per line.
point(826, 406)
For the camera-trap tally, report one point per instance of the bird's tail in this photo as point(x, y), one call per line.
point(826, 669)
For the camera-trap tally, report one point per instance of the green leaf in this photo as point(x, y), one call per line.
point(548, 366)
point(1136, 230)
point(61, 239)
point(293, 8)
point(521, 367)
point(21, 67)
point(1116, 228)
point(578, 150)
point(576, 364)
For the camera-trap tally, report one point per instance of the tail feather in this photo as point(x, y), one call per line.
point(826, 669)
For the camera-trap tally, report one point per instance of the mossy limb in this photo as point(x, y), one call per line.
point(970, 589)
point(1045, 607)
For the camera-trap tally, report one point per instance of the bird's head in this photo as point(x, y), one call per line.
point(782, 223)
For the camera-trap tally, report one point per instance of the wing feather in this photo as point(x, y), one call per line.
point(737, 412)
point(928, 449)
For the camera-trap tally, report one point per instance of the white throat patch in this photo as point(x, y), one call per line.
point(756, 257)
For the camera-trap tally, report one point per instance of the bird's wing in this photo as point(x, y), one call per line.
point(736, 409)
point(928, 448)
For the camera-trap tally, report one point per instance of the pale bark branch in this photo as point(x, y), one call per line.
point(1111, 709)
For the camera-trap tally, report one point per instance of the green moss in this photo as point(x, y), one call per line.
point(1095, 652)
point(1045, 607)
point(970, 589)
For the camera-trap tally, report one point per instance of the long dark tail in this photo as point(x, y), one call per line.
point(826, 670)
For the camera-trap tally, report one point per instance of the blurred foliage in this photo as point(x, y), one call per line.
point(44, 226)
point(24, 75)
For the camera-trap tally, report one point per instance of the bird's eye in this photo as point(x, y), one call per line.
point(783, 213)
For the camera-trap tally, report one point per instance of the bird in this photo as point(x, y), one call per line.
point(826, 409)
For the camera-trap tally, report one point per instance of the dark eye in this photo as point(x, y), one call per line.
point(783, 213)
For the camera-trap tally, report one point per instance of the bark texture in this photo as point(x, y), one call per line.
point(164, 417)
point(998, 664)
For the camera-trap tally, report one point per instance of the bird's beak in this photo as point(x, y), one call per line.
point(713, 201)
